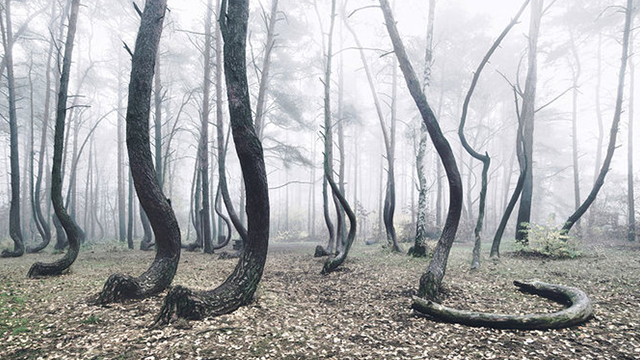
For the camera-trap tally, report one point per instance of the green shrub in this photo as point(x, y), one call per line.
point(549, 241)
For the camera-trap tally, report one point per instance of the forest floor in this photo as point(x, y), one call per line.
point(360, 312)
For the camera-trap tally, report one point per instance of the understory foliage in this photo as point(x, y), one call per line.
point(548, 241)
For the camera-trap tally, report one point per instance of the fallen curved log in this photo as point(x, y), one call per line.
point(579, 310)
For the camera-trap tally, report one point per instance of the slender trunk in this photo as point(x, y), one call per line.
point(40, 218)
point(566, 228)
point(574, 125)
point(485, 159)
point(528, 117)
point(266, 67)
point(521, 153)
point(631, 207)
point(122, 230)
point(204, 134)
point(73, 232)
point(130, 219)
point(419, 248)
point(328, 132)
point(15, 226)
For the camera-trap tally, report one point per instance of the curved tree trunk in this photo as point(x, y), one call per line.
point(218, 211)
point(578, 312)
point(522, 161)
point(333, 262)
point(15, 225)
point(485, 159)
point(39, 216)
point(240, 286)
point(72, 230)
point(431, 280)
point(157, 207)
point(614, 125)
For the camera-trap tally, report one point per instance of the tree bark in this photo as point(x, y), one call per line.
point(240, 286)
point(528, 116)
point(122, 230)
point(485, 159)
point(204, 135)
point(419, 248)
point(15, 226)
point(157, 207)
point(431, 280)
point(617, 114)
point(522, 161)
point(578, 312)
point(631, 206)
point(72, 230)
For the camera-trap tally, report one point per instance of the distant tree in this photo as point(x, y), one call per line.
point(15, 226)
point(72, 230)
point(432, 279)
point(240, 286)
point(617, 114)
point(152, 200)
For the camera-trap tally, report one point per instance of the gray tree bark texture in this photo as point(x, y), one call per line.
point(528, 116)
point(72, 230)
point(578, 312)
point(432, 279)
point(157, 207)
point(239, 288)
point(419, 248)
point(15, 226)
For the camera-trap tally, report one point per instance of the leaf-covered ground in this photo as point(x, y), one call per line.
point(360, 312)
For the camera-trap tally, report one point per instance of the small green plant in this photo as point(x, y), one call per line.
point(92, 319)
point(549, 241)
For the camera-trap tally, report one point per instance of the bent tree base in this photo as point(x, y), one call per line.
point(578, 312)
point(120, 287)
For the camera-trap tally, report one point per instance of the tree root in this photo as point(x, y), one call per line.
point(119, 287)
point(42, 270)
point(182, 302)
point(579, 310)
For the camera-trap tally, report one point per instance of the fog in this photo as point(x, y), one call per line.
point(463, 32)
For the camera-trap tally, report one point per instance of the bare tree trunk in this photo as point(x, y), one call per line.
point(328, 132)
point(130, 219)
point(629, 11)
point(631, 206)
point(15, 226)
point(419, 248)
point(222, 148)
point(73, 232)
point(158, 208)
point(204, 135)
point(40, 218)
point(266, 67)
point(522, 162)
point(122, 230)
point(240, 286)
point(432, 279)
point(574, 124)
point(485, 159)
point(528, 116)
